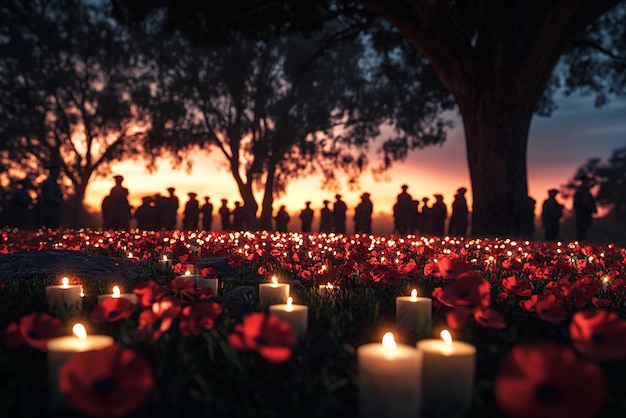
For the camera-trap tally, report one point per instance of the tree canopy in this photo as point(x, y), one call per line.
point(74, 89)
point(497, 59)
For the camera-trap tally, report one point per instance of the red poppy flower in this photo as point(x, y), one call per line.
point(35, 330)
point(431, 269)
point(550, 309)
point(271, 337)
point(149, 292)
point(182, 287)
point(386, 274)
point(106, 383)
point(518, 286)
point(502, 296)
point(514, 265)
point(529, 304)
point(208, 273)
point(200, 316)
point(599, 334)
point(451, 268)
point(188, 259)
point(203, 293)
point(470, 291)
point(156, 321)
point(548, 380)
point(111, 310)
point(489, 318)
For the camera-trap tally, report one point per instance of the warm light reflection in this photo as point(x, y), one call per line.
point(79, 331)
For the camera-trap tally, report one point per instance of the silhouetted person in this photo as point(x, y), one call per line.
point(551, 213)
point(281, 219)
point(402, 210)
point(326, 221)
point(529, 218)
point(51, 200)
point(363, 215)
point(145, 214)
point(207, 214)
point(160, 211)
point(439, 214)
point(339, 215)
point(23, 205)
point(225, 215)
point(191, 213)
point(425, 215)
point(306, 217)
point(117, 210)
point(170, 209)
point(459, 219)
point(584, 207)
point(240, 217)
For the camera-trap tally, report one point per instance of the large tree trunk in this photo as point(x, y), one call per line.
point(497, 142)
point(268, 198)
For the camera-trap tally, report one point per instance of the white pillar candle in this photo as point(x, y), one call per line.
point(389, 379)
point(165, 263)
point(118, 294)
point(212, 283)
point(61, 349)
point(448, 376)
point(65, 300)
point(414, 315)
point(273, 293)
point(296, 315)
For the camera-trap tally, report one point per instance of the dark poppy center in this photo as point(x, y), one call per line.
point(598, 338)
point(547, 393)
point(113, 314)
point(260, 340)
point(464, 294)
point(104, 385)
point(514, 286)
point(33, 335)
point(451, 272)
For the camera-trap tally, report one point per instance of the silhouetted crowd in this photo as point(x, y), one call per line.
point(26, 206)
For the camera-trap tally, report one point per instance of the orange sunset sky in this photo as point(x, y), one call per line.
point(558, 145)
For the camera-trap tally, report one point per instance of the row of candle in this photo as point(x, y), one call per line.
point(434, 378)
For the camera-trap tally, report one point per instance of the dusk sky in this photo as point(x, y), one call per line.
point(559, 144)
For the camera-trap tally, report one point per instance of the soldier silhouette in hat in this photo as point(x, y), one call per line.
point(551, 213)
point(306, 217)
point(363, 215)
point(584, 207)
point(339, 215)
point(224, 212)
point(51, 199)
point(326, 221)
point(282, 219)
point(459, 219)
point(170, 209)
point(145, 214)
point(425, 222)
point(240, 217)
point(439, 214)
point(191, 213)
point(116, 210)
point(207, 214)
point(402, 210)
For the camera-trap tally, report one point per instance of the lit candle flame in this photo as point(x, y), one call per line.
point(389, 342)
point(187, 273)
point(130, 255)
point(414, 294)
point(116, 292)
point(164, 258)
point(289, 300)
point(446, 337)
point(82, 292)
point(79, 331)
point(329, 285)
point(274, 281)
point(65, 282)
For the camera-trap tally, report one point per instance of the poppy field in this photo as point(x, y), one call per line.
point(547, 320)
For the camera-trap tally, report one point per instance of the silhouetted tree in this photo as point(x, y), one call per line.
point(496, 58)
point(73, 90)
point(608, 179)
point(277, 112)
